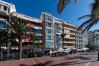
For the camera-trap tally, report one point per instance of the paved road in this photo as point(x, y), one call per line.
point(79, 59)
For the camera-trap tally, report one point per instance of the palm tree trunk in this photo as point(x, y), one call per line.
point(20, 46)
point(8, 50)
point(0, 53)
point(98, 55)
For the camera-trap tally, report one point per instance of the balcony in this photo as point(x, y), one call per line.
point(69, 37)
point(40, 41)
point(30, 25)
point(69, 42)
point(72, 33)
point(36, 27)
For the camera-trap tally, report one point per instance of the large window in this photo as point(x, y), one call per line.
point(3, 24)
point(49, 18)
point(5, 8)
point(37, 31)
point(49, 44)
point(48, 37)
point(49, 24)
point(37, 24)
point(72, 31)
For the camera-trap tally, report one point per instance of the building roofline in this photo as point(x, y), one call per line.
point(25, 17)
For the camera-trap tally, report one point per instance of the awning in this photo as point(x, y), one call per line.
point(26, 40)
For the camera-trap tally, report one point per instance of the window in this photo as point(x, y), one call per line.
point(49, 37)
point(49, 31)
point(5, 8)
point(49, 18)
point(2, 24)
point(49, 24)
point(48, 44)
point(9, 10)
point(37, 31)
point(0, 6)
point(37, 24)
point(72, 31)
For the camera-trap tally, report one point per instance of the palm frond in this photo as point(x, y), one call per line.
point(62, 3)
point(85, 16)
point(95, 7)
point(84, 24)
point(93, 22)
point(19, 25)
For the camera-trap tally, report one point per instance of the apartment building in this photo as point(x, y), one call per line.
point(5, 9)
point(52, 29)
point(69, 38)
point(35, 23)
point(93, 37)
point(81, 39)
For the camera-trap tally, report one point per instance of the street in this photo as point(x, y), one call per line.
point(78, 59)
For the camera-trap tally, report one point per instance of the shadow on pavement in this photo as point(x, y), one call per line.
point(71, 58)
point(69, 63)
point(78, 57)
point(40, 64)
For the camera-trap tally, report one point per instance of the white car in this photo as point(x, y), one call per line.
point(52, 52)
point(82, 49)
point(67, 50)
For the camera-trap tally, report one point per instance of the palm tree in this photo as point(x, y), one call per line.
point(20, 28)
point(3, 38)
point(62, 3)
point(95, 7)
point(63, 34)
point(92, 19)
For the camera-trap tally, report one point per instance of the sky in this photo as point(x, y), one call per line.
point(71, 13)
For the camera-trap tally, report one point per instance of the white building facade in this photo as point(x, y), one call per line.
point(6, 7)
point(81, 39)
point(93, 37)
point(53, 30)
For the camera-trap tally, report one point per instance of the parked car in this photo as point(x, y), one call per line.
point(46, 51)
point(53, 52)
point(60, 52)
point(67, 50)
point(82, 49)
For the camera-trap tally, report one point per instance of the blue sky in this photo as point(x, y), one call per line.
point(71, 12)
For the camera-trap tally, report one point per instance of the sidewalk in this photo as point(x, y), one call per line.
point(96, 63)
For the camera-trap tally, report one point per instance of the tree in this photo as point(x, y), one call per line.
point(20, 28)
point(3, 38)
point(33, 36)
point(92, 18)
point(62, 36)
point(62, 3)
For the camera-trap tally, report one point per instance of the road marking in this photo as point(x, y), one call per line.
point(88, 64)
point(33, 61)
